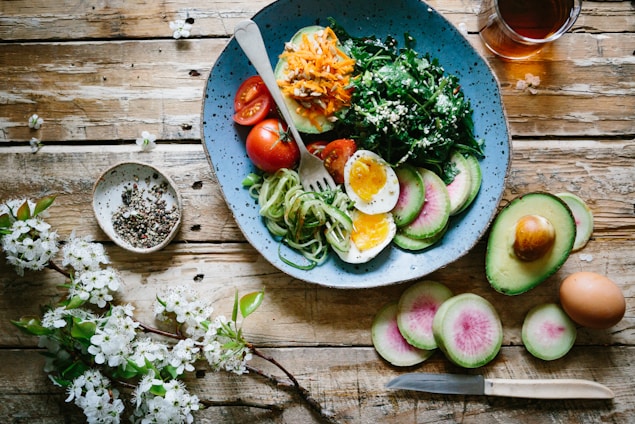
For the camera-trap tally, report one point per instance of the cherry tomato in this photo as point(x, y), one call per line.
point(251, 88)
point(316, 148)
point(335, 155)
point(254, 111)
point(270, 147)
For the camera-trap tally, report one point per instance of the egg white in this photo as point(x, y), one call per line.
point(382, 201)
point(356, 256)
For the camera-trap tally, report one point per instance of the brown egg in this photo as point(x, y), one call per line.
point(592, 300)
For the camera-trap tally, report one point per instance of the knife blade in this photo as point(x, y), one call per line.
point(522, 388)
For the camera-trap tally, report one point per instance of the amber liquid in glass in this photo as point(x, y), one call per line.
point(532, 19)
point(537, 19)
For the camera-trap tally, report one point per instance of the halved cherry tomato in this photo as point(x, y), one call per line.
point(270, 147)
point(251, 88)
point(316, 147)
point(254, 111)
point(335, 155)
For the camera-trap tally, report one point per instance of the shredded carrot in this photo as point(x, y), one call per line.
point(317, 76)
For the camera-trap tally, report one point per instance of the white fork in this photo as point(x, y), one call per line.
point(313, 175)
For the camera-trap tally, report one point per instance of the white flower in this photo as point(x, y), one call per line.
point(91, 391)
point(175, 406)
point(30, 245)
point(180, 28)
point(219, 358)
point(147, 141)
point(95, 286)
point(83, 255)
point(183, 355)
point(147, 349)
point(35, 122)
point(35, 144)
point(112, 341)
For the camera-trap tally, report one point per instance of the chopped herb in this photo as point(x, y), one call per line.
point(404, 106)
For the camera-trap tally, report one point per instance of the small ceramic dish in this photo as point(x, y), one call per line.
point(137, 206)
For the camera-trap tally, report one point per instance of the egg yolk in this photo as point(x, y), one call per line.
point(367, 177)
point(369, 230)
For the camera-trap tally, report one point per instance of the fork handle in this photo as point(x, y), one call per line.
point(250, 40)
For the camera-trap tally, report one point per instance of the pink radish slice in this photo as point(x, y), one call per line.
point(390, 344)
point(548, 333)
point(411, 195)
point(417, 306)
point(436, 209)
point(460, 188)
point(583, 219)
point(468, 330)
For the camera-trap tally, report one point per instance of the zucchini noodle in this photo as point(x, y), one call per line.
point(307, 221)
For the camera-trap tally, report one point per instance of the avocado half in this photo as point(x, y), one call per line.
point(506, 271)
point(303, 124)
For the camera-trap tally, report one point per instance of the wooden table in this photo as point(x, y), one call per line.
point(100, 73)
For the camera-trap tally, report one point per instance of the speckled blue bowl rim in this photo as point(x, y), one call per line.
point(224, 141)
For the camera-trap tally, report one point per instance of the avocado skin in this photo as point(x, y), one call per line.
point(507, 273)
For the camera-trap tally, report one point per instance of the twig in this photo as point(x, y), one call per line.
point(327, 415)
point(149, 329)
point(52, 265)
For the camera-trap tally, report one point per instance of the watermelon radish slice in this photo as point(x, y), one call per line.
point(390, 344)
point(583, 219)
point(461, 187)
point(477, 178)
point(468, 330)
point(436, 209)
point(411, 195)
point(548, 333)
point(416, 309)
point(408, 243)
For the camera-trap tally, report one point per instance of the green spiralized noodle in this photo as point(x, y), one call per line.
point(307, 221)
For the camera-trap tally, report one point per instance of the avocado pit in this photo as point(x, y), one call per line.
point(534, 237)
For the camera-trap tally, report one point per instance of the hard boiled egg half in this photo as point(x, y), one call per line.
point(373, 187)
point(370, 235)
point(370, 183)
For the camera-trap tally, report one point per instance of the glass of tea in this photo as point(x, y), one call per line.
point(517, 29)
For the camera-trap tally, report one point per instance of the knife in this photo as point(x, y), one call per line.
point(478, 385)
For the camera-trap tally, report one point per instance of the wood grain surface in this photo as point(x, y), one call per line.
point(100, 72)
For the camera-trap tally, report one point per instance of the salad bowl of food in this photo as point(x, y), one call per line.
point(456, 118)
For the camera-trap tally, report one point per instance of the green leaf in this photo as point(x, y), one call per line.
point(127, 370)
point(235, 310)
point(158, 390)
point(171, 371)
point(74, 302)
point(74, 370)
point(250, 302)
point(5, 220)
point(43, 204)
point(32, 326)
point(24, 212)
point(83, 329)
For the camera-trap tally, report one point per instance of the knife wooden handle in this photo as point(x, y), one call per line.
point(547, 389)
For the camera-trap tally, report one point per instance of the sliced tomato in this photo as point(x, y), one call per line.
point(335, 155)
point(270, 147)
point(251, 88)
point(255, 111)
point(316, 147)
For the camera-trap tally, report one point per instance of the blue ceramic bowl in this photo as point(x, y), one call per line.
point(224, 141)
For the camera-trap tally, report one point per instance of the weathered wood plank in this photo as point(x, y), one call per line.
point(297, 313)
point(351, 385)
point(599, 171)
point(73, 19)
point(108, 91)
